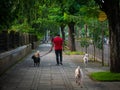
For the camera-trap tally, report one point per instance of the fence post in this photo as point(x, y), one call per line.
point(6, 41)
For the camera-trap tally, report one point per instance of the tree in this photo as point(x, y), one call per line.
point(56, 14)
point(72, 15)
point(7, 13)
point(112, 10)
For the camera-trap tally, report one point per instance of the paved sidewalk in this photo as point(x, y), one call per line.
point(48, 76)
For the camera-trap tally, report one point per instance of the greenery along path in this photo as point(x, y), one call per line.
point(48, 76)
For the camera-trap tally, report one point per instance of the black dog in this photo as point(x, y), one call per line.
point(36, 60)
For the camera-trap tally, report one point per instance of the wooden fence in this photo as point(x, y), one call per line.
point(12, 39)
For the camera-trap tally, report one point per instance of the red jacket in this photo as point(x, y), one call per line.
point(58, 42)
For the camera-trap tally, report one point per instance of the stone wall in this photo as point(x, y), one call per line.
point(9, 58)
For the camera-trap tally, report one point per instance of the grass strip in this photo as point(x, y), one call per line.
point(105, 76)
point(74, 53)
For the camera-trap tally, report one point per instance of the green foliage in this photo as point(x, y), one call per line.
point(105, 76)
point(8, 12)
point(37, 16)
point(98, 43)
point(90, 10)
point(56, 15)
point(84, 42)
point(71, 18)
point(24, 27)
point(96, 32)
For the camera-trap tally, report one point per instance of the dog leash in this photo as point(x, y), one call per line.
point(46, 53)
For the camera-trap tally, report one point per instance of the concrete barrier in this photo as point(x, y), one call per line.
point(8, 58)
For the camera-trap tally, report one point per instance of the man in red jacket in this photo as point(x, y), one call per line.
point(57, 43)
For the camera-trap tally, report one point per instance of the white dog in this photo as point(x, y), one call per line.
point(79, 76)
point(85, 59)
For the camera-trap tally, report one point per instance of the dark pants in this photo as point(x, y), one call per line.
point(58, 54)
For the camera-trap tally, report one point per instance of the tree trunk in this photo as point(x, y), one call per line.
point(94, 52)
point(62, 31)
point(63, 34)
point(114, 26)
point(72, 36)
point(86, 27)
point(112, 9)
point(102, 47)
